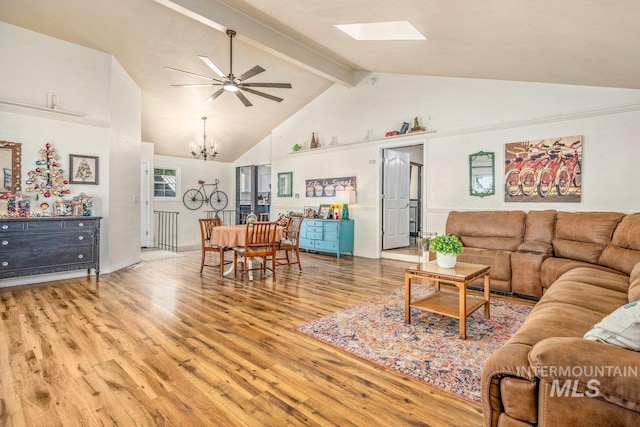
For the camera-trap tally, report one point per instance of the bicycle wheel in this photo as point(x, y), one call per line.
point(193, 199)
point(577, 175)
point(218, 200)
point(545, 182)
point(527, 181)
point(512, 183)
point(564, 181)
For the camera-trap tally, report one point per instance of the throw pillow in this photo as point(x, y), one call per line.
point(620, 328)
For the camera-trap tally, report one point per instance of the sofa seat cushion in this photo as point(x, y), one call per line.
point(597, 277)
point(499, 261)
point(620, 328)
point(554, 267)
point(555, 319)
point(579, 294)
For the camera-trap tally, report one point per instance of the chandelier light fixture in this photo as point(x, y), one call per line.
point(202, 150)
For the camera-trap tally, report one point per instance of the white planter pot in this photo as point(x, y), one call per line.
point(446, 260)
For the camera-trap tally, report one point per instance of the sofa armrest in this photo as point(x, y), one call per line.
point(535, 246)
point(600, 370)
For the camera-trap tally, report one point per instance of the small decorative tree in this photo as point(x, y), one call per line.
point(47, 179)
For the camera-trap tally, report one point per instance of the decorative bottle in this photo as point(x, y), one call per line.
point(314, 141)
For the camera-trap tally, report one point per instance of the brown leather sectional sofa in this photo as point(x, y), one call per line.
point(583, 266)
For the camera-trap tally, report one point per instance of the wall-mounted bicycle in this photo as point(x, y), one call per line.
point(194, 198)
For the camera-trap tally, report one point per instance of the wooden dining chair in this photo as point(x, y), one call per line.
point(260, 242)
point(289, 246)
point(206, 229)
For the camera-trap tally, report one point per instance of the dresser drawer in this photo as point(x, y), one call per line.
point(7, 226)
point(45, 225)
point(20, 241)
point(47, 257)
point(81, 223)
point(327, 245)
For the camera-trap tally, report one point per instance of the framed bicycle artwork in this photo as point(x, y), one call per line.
point(547, 170)
point(285, 184)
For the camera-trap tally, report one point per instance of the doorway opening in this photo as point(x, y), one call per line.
point(253, 192)
point(402, 201)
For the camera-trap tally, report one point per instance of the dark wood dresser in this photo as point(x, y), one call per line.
point(48, 245)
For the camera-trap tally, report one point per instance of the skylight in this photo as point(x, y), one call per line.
point(395, 30)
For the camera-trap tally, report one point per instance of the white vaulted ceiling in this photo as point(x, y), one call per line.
point(583, 42)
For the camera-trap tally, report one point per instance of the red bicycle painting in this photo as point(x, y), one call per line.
point(544, 170)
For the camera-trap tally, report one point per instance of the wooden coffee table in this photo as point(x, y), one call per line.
point(457, 305)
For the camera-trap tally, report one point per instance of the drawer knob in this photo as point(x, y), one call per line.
point(80, 256)
point(5, 263)
point(80, 237)
point(80, 224)
point(5, 242)
point(5, 226)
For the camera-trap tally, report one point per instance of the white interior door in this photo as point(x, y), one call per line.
point(396, 184)
point(144, 204)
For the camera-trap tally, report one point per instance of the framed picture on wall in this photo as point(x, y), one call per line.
point(285, 184)
point(83, 169)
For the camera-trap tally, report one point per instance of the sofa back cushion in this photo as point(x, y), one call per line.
point(584, 235)
point(501, 230)
point(540, 226)
point(623, 253)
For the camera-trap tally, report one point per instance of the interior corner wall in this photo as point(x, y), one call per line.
point(468, 115)
point(124, 169)
point(35, 64)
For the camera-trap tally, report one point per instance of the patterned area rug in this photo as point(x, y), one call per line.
point(428, 349)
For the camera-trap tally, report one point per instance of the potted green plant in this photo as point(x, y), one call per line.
point(447, 248)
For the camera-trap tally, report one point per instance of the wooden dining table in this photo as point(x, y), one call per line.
point(231, 236)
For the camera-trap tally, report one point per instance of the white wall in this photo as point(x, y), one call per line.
point(469, 115)
point(191, 171)
point(93, 84)
point(124, 169)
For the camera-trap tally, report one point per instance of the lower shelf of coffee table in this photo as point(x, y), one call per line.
point(446, 303)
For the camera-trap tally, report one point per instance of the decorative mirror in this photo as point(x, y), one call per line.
point(481, 174)
point(10, 161)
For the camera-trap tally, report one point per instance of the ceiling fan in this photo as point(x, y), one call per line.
point(231, 83)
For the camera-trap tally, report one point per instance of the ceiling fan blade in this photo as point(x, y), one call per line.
point(265, 95)
point(280, 85)
point(213, 66)
point(198, 85)
point(252, 72)
point(191, 74)
point(244, 99)
point(215, 95)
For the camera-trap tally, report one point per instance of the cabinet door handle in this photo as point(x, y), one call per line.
point(80, 256)
point(5, 226)
point(80, 237)
point(5, 263)
point(5, 242)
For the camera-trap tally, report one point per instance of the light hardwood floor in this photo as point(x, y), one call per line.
point(158, 344)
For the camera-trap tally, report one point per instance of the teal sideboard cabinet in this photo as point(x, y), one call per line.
point(327, 235)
